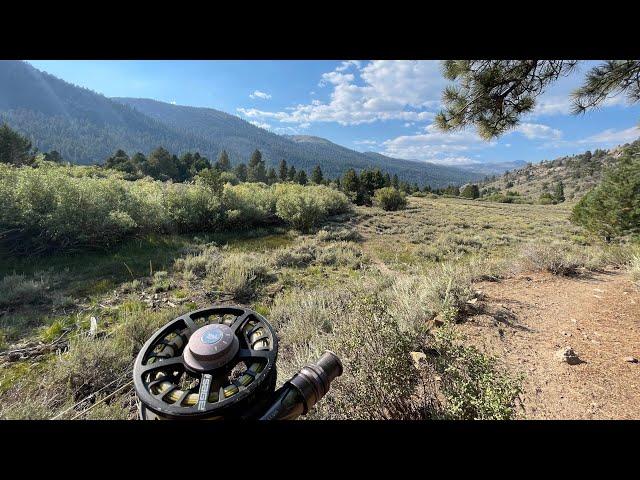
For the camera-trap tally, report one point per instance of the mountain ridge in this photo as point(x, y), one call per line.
point(87, 127)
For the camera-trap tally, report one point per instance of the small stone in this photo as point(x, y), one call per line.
point(631, 359)
point(567, 355)
point(418, 357)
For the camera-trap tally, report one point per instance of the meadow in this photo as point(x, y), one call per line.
point(383, 289)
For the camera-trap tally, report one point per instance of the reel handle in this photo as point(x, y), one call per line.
point(304, 389)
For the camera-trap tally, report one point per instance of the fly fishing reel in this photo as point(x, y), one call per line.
point(220, 363)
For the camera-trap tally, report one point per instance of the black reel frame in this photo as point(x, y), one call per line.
point(161, 360)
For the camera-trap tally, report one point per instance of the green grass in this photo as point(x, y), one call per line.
point(393, 272)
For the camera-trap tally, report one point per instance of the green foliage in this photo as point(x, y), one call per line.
point(256, 170)
point(248, 204)
point(56, 207)
point(390, 199)
point(475, 387)
point(283, 171)
point(613, 208)
point(301, 177)
point(160, 165)
point(223, 163)
point(14, 148)
point(306, 207)
point(241, 172)
point(470, 191)
point(316, 175)
point(559, 192)
point(18, 290)
point(494, 94)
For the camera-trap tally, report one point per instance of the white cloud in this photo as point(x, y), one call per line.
point(348, 64)
point(365, 142)
point(534, 131)
point(384, 90)
point(259, 94)
point(613, 136)
point(605, 139)
point(433, 145)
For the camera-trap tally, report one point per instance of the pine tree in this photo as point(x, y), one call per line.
point(394, 182)
point(223, 164)
point(559, 193)
point(256, 171)
point(494, 94)
point(316, 175)
point(14, 148)
point(301, 177)
point(292, 174)
point(387, 179)
point(272, 177)
point(470, 191)
point(350, 181)
point(612, 209)
point(241, 172)
point(283, 171)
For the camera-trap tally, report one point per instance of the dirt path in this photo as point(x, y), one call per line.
point(529, 318)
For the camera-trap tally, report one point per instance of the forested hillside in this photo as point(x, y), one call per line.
point(86, 127)
point(240, 138)
point(577, 174)
point(83, 126)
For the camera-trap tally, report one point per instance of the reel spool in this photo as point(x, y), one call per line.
point(213, 363)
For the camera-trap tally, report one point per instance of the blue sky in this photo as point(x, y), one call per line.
point(383, 106)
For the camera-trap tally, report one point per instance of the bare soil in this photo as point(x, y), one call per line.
point(526, 320)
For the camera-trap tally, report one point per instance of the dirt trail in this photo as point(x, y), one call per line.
point(529, 318)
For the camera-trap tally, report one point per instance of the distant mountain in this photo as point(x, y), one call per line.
point(441, 175)
point(240, 138)
point(86, 127)
point(493, 168)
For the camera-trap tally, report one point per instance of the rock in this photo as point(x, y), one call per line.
point(93, 329)
point(418, 357)
point(13, 356)
point(567, 354)
point(631, 359)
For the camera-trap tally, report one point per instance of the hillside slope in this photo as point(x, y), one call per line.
point(84, 126)
point(240, 138)
point(578, 174)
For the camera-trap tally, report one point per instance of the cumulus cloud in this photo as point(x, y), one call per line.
point(535, 131)
point(433, 145)
point(259, 94)
point(605, 139)
point(612, 135)
point(380, 90)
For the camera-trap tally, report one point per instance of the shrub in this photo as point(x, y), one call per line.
point(306, 207)
point(475, 387)
point(241, 274)
point(248, 204)
point(634, 269)
point(390, 199)
point(17, 290)
point(556, 258)
point(58, 207)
